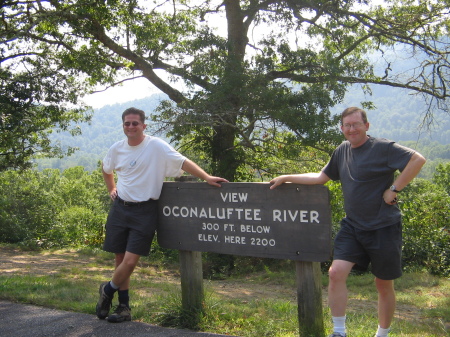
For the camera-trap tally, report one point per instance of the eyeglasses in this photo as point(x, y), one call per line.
point(354, 125)
point(134, 123)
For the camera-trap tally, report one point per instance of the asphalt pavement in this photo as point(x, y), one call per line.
point(23, 320)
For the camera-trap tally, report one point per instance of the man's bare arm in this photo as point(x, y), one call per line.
point(319, 178)
point(192, 168)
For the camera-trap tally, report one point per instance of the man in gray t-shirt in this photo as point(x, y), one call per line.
point(371, 230)
point(365, 173)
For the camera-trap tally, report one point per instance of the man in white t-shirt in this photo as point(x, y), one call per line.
point(141, 163)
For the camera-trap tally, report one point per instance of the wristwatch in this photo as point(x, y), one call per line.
point(393, 189)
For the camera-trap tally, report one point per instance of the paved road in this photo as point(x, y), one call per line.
point(21, 320)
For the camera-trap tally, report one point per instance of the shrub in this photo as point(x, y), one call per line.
point(426, 227)
point(52, 209)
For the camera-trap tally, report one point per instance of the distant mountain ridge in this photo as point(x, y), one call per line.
point(398, 117)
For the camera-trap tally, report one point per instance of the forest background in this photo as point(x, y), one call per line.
point(254, 89)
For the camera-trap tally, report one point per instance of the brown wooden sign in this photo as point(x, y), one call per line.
point(289, 222)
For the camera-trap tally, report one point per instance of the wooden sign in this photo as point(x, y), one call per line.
point(289, 222)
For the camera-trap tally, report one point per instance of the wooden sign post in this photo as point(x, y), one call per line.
point(290, 222)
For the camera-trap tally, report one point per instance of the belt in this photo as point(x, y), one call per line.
point(132, 203)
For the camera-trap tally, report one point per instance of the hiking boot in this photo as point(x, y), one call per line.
point(121, 313)
point(104, 302)
point(338, 334)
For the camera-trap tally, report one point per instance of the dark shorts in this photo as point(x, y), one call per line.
point(131, 228)
point(382, 248)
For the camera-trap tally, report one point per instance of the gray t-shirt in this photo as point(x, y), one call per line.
point(365, 173)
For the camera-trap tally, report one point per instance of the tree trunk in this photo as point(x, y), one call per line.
point(224, 154)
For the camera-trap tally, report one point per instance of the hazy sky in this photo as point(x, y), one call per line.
point(128, 91)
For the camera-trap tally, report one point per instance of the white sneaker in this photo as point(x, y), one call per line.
point(338, 334)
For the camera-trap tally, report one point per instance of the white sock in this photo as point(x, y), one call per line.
point(382, 332)
point(339, 324)
point(115, 287)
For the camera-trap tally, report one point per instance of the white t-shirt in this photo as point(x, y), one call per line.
point(141, 169)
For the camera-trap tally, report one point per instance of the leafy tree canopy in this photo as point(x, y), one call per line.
point(271, 78)
point(36, 95)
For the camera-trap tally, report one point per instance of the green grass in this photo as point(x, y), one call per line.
point(252, 304)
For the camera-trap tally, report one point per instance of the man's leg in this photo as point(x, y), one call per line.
point(125, 264)
point(338, 293)
point(386, 302)
point(337, 287)
point(386, 259)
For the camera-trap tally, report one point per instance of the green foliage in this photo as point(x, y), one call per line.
point(442, 177)
point(78, 225)
point(52, 209)
point(426, 227)
point(27, 207)
point(336, 204)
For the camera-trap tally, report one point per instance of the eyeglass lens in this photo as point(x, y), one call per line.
point(134, 123)
point(355, 126)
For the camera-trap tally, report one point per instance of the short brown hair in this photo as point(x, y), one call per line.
point(352, 110)
point(134, 111)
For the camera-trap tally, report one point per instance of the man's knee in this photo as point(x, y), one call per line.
point(130, 260)
point(339, 270)
point(384, 286)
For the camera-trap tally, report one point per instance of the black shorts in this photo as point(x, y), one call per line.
point(381, 247)
point(131, 228)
